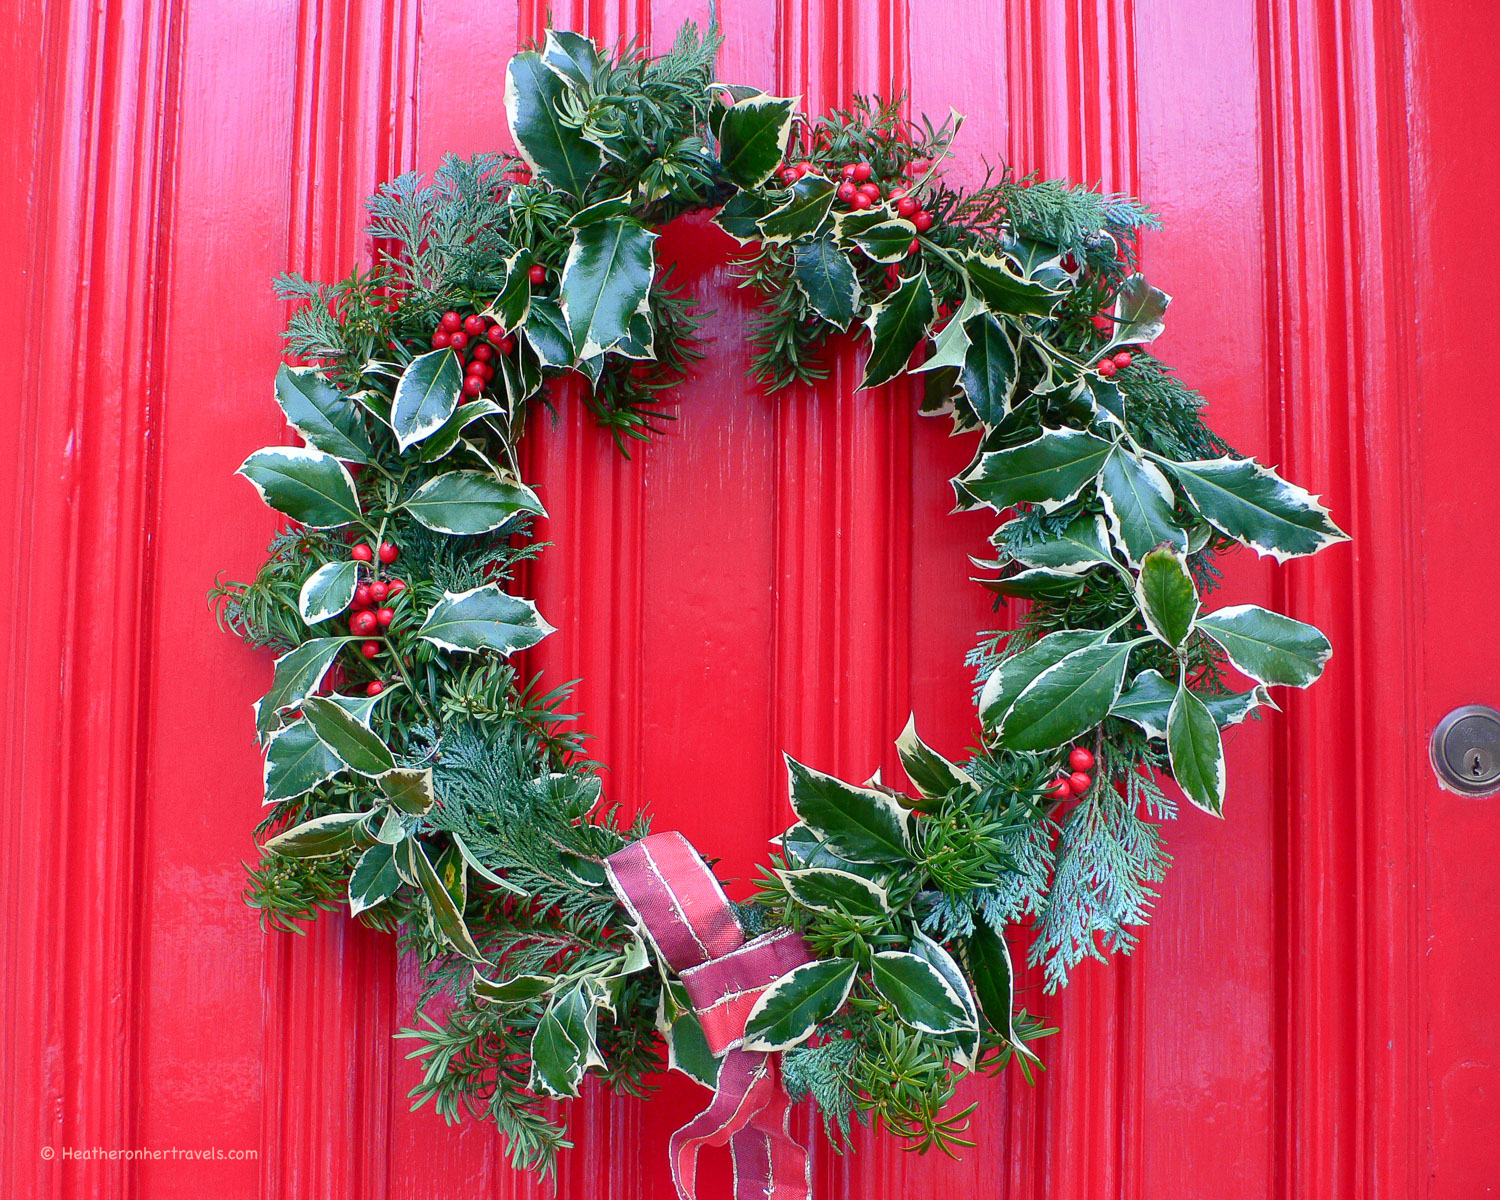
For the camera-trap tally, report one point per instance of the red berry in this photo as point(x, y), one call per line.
point(369, 649)
point(537, 274)
point(506, 345)
point(362, 622)
point(846, 171)
point(451, 321)
point(914, 247)
point(483, 352)
point(788, 175)
point(374, 688)
point(362, 553)
point(1059, 790)
point(440, 340)
point(862, 171)
point(379, 590)
point(1124, 359)
point(496, 335)
point(384, 616)
point(389, 552)
point(1080, 758)
point(473, 385)
point(486, 372)
point(905, 206)
point(1078, 783)
point(473, 324)
point(459, 340)
point(803, 168)
point(363, 594)
point(871, 190)
point(847, 191)
point(922, 219)
point(861, 201)
point(1107, 367)
point(395, 587)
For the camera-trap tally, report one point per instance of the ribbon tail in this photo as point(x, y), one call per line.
point(749, 1111)
point(769, 1163)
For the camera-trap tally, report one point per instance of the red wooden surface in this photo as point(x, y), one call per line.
point(1312, 1013)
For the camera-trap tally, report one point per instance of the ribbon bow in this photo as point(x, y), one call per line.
point(678, 902)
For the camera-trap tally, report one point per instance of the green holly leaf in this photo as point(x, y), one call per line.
point(307, 485)
point(426, 396)
point(741, 215)
point(824, 889)
point(918, 993)
point(790, 1009)
point(408, 789)
point(328, 591)
point(296, 762)
point(1049, 470)
point(1068, 699)
point(374, 879)
point(1014, 675)
point(358, 747)
point(1166, 595)
point(753, 137)
point(1196, 752)
point(825, 276)
point(930, 773)
point(484, 618)
point(296, 673)
point(547, 331)
point(318, 411)
point(990, 368)
point(802, 214)
point(1140, 310)
point(557, 153)
point(1267, 646)
point(571, 56)
point(518, 989)
point(321, 837)
point(1148, 701)
point(605, 281)
point(859, 823)
point(1256, 507)
point(988, 958)
point(1080, 546)
point(897, 326)
point(446, 908)
point(1005, 289)
point(470, 502)
point(883, 241)
point(1138, 503)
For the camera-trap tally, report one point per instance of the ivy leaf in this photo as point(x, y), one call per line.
point(790, 1009)
point(1016, 673)
point(988, 957)
point(1005, 289)
point(824, 889)
point(296, 762)
point(1049, 470)
point(426, 396)
point(470, 502)
point(918, 993)
point(1139, 314)
point(1166, 595)
point(930, 773)
point(296, 673)
point(358, 748)
point(1138, 502)
point(897, 325)
point(753, 138)
point(860, 823)
point(741, 215)
point(883, 241)
point(374, 879)
point(1081, 546)
point(1068, 699)
point(826, 277)
point(321, 837)
point(802, 215)
point(441, 443)
point(1147, 702)
point(1267, 646)
point(447, 911)
point(571, 56)
point(484, 618)
point(557, 153)
point(320, 413)
point(547, 331)
point(1256, 507)
point(605, 281)
point(1196, 752)
point(990, 369)
point(328, 591)
point(307, 485)
point(408, 789)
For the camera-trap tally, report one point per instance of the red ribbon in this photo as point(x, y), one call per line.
point(678, 902)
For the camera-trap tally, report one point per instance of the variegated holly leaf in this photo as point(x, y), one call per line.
point(605, 281)
point(860, 823)
point(324, 417)
point(484, 618)
point(483, 871)
point(1138, 502)
point(1140, 314)
point(469, 502)
point(1068, 699)
point(825, 276)
point(441, 444)
point(320, 837)
point(296, 762)
point(1148, 701)
point(563, 1044)
point(1080, 546)
point(307, 485)
point(1256, 507)
point(547, 331)
point(988, 959)
point(518, 989)
point(297, 672)
point(1196, 752)
point(687, 1047)
point(1049, 470)
point(804, 846)
point(1017, 672)
point(949, 348)
point(447, 909)
point(1005, 289)
point(571, 56)
point(990, 368)
point(1167, 596)
point(328, 591)
point(824, 889)
point(930, 773)
point(408, 789)
point(802, 214)
point(357, 746)
point(1267, 646)
point(426, 396)
point(790, 1009)
point(512, 302)
point(917, 992)
point(741, 215)
point(947, 966)
point(556, 152)
point(1036, 585)
point(887, 240)
point(753, 138)
point(374, 879)
point(897, 326)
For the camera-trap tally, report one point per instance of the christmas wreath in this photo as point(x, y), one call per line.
point(414, 774)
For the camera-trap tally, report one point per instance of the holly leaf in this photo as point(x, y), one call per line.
point(1196, 752)
point(1166, 595)
point(374, 879)
point(825, 276)
point(824, 889)
point(949, 348)
point(1267, 646)
point(328, 591)
point(518, 989)
point(321, 837)
point(990, 368)
point(1068, 699)
point(1138, 503)
point(804, 846)
point(307, 485)
point(883, 241)
point(470, 502)
point(1005, 289)
point(988, 958)
point(918, 993)
point(1148, 701)
point(446, 909)
point(605, 281)
point(1036, 585)
point(513, 301)
point(753, 137)
point(408, 789)
point(296, 673)
point(484, 618)
point(296, 762)
point(859, 823)
point(936, 955)
point(790, 1009)
point(357, 747)
point(571, 56)
point(321, 414)
point(897, 325)
point(802, 214)
point(1080, 546)
point(1016, 673)
point(1140, 310)
point(1049, 470)
point(1256, 507)
point(556, 152)
point(441, 443)
point(930, 773)
point(740, 217)
point(547, 331)
point(426, 396)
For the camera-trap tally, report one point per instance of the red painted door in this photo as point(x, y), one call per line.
point(1312, 1012)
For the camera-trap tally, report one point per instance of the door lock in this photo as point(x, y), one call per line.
point(1465, 750)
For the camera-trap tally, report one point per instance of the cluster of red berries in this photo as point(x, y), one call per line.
point(859, 189)
point(476, 340)
point(1079, 781)
point(1108, 366)
point(370, 611)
